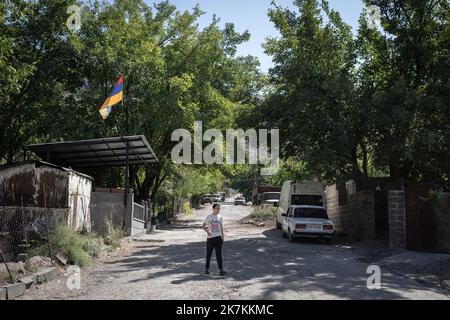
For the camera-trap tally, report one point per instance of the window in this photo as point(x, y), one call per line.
point(306, 199)
point(310, 213)
point(289, 212)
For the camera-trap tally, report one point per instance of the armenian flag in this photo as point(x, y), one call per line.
point(114, 97)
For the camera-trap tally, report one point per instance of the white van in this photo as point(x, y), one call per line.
point(310, 193)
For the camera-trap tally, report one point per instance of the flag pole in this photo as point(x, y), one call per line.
point(127, 115)
point(127, 128)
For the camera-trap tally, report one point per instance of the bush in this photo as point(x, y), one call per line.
point(186, 208)
point(93, 245)
point(263, 212)
point(72, 244)
point(113, 234)
point(79, 248)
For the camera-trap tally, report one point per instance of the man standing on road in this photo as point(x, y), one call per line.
point(213, 226)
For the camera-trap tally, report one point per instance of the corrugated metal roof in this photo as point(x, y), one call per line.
point(43, 163)
point(103, 152)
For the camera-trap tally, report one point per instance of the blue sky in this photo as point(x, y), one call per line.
point(251, 15)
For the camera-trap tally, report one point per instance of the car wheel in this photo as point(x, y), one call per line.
point(326, 240)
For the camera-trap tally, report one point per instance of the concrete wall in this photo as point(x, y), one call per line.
point(353, 215)
point(108, 205)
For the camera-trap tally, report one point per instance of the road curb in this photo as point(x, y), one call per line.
point(46, 274)
point(2, 293)
point(13, 290)
point(29, 281)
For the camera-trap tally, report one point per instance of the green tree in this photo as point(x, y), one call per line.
point(313, 99)
point(404, 88)
point(54, 80)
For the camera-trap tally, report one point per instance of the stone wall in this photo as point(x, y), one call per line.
point(397, 219)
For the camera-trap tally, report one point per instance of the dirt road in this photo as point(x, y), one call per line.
point(260, 263)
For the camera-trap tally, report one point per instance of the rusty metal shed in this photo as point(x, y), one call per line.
point(38, 186)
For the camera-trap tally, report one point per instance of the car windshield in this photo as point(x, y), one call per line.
point(239, 198)
point(310, 213)
point(271, 196)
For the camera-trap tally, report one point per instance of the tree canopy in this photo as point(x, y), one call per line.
point(350, 104)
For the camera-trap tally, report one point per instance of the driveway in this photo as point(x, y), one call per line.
point(168, 264)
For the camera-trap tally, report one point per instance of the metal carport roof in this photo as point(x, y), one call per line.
point(102, 152)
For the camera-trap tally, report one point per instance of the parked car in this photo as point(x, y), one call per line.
point(271, 198)
point(207, 198)
point(215, 198)
point(239, 201)
point(307, 221)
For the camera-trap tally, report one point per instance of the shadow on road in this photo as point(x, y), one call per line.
point(270, 263)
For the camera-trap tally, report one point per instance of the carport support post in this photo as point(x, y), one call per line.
point(127, 182)
point(149, 215)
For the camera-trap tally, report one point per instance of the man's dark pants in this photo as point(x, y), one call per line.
point(214, 244)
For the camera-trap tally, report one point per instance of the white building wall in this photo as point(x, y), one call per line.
point(79, 199)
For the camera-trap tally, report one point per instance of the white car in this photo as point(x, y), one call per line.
point(239, 201)
point(307, 221)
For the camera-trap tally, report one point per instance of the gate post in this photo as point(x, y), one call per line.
point(397, 219)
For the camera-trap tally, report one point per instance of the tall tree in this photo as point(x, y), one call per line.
point(404, 87)
point(314, 95)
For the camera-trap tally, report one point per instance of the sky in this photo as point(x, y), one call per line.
point(251, 15)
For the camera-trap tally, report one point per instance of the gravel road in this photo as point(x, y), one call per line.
point(168, 264)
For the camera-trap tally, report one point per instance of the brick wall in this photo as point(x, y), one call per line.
point(340, 215)
point(397, 219)
point(356, 215)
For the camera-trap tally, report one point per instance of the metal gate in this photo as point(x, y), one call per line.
point(381, 213)
point(420, 219)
